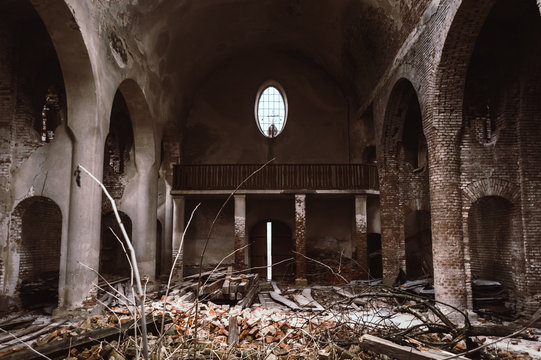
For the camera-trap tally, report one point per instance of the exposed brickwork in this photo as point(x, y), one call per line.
point(403, 178)
point(300, 236)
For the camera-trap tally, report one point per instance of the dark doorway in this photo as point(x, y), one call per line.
point(375, 261)
point(113, 259)
point(282, 250)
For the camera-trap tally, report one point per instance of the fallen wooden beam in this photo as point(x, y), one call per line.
point(279, 298)
point(307, 293)
point(62, 347)
point(382, 346)
point(251, 294)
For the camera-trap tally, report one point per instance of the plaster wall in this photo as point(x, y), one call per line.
point(221, 126)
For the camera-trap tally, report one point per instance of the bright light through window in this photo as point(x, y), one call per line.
point(271, 110)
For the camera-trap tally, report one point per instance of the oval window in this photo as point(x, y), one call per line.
point(271, 109)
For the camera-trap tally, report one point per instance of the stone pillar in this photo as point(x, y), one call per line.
point(360, 238)
point(179, 204)
point(240, 232)
point(144, 234)
point(83, 248)
point(300, 238)
point(167, 245)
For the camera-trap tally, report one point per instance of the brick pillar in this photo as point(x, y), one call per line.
point(300, 238)
point(446, 216)
point(240, 232)
point(360, 238)
point(179, 204)
point(392, 220)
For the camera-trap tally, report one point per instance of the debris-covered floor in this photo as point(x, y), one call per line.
point(243, 317)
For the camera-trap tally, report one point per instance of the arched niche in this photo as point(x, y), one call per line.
point(35, 238)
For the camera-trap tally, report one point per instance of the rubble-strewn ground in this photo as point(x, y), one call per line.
point(283, 322)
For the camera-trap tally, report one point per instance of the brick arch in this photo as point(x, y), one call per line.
point(443, 130)
point(395, 113)
point(491, 187)
point(474, 192)
point(450, 76)
point(35, 233)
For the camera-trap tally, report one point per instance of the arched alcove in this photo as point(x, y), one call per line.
point(282, 249)
point(491, 246)
point(113, 258)
point(118, 151)
point(36, 231)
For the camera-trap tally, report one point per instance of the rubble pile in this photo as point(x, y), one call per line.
point(238, 317)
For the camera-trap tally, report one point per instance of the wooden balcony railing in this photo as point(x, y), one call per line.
point(276, 177)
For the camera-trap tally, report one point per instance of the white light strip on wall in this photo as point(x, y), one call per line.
point(269, 251)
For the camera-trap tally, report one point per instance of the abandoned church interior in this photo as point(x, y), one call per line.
point(378, 136)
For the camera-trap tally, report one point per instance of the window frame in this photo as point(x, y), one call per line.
point(281, 91)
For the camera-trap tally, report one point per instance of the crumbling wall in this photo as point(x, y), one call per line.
point(31, 92)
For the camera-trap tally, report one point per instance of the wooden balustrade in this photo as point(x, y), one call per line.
point(276, 177)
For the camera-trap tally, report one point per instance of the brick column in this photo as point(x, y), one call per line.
point(179, 204)
point(446, 216)
point(300, 238)
point(240, 232)
point(360, 238)
point(392, 219)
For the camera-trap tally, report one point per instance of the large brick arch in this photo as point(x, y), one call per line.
point(443, 131)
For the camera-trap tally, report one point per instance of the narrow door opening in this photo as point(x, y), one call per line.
point(272, 250)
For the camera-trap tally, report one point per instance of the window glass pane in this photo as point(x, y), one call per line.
point(271, 112)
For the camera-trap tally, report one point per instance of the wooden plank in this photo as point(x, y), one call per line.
point(251, 294)
point(210, 288)
point(279, 298)
point(301, 300)
point(61, 347)
point(382, 346)
point(17, 342)
point(276, 288)
point(307, 293)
